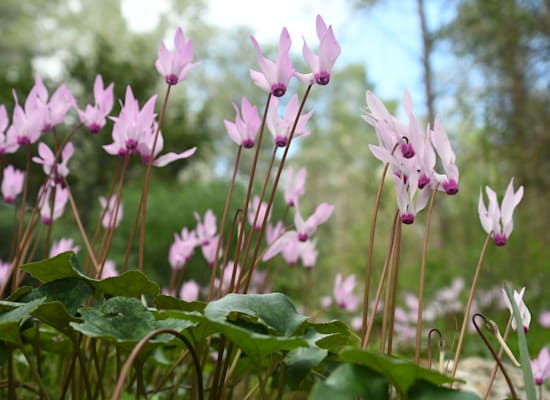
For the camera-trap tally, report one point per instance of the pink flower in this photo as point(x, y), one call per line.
point(281, 128)
point(206, 230)
point(544, 319)
point(93, 117)
point(449, 181)
point(55, 172)
point(182, 248)
point(108, 210)
point(295, 185)
point(273, 233)
point(343, 293)
point(12, 183)
point(59, 202)
point(209, 250)
point(541, 367)
point(109, 270)
point(190, 291)
point(524, 312)
point(308, 227)
point(408, 201)
point(145, 147)
point(257, 208)
point(175, 64)
point(26, 126)
point(230, 268)
point(274, 76)
point(57, 107)
point(293, 249)
point(4, 270)
point(63, 245)
point(244, 130)
point(321, 65)
point(498, 222)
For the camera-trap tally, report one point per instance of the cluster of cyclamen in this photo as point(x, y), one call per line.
point(410, 155)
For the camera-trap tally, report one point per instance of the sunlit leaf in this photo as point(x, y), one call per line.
point(10, 321)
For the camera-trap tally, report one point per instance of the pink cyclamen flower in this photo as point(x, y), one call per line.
point(410, 200)
point(190, 291)
point(281, 128)
point(449, 181)
point(112, 214)
point(26, 126)
point(12, 183)
point(59, 202)
point(93, 117)
point(63, 245)
point(274, 76)
point(293, 249)
point(206, 229)
point(109, 270)
point(343, 293)
point(230, 268)
point(56, 172)
point(274, 232)
point(145, 148)
point(257, 208)
point(182, 248)
point(175, 64)
point(295, 185)
point(4, 271)
point(306, 228)
point(544, 319)
point(321, 65)
point(247, 122)
point(541, 366)
point(132, 125)
point(209, 250)
point(524, 312)
point(498, 221)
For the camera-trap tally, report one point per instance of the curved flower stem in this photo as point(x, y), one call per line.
point(469, 306)
point(274, 190)
point(143, 201)
point(222, 223)
point(128, 364)
point(389, 256)
point(368, 268)
point(494, 354)
point(495, 368)
point(423, 276)
point(251, 184)
point(441, 346)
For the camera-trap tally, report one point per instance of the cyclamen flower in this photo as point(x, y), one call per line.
point(60, 201)
point(524, 312)
point(12, 183)
point(408, 201)
point(206, 229)
point(109, 270)
point(544, 319)
point(145, 147)
point(175, 64)
point(273, 233)
point(111, 215)
point(541, 367)
point(257, 208)
point(190, 291)
point(308, 227)
point(4, 270)
point(498, 222)
point(26, 126)
point(321, 65)
point(295, 185)
point(63, 245)
point(55, 172)
point(209, 250)
point(293, 249)
point(449, 182)
point(281, 128)
point(182, 248)
point(227, 276)
point(93, 117)
point(244, 130)
point(343, 293)
point(274, 76)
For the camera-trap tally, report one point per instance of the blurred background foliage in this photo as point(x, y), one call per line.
point(496, 109)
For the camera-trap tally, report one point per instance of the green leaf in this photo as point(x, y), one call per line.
point(530, 390)
point(71, 292)
point(300, 362)
point(350, 381)
point(275, 311)
point(400, 373)
point(55, 314)
point(333, 335)
point(423, 390)
point(129, 284)
point(11, 321)
point(61, 266)
point(164, 302)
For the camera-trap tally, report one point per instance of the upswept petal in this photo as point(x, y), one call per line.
point(170, 157)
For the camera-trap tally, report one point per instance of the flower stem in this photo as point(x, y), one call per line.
point(423, 276)
point(394, 289)
point(495, 368)
point(469, 306)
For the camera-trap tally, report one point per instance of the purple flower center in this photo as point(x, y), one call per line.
point(450, 187)
point(281, 141)
point(2, 151)
point(302, 237)
point(248, 143)
point(8, 199)
point(23, 141)
point(322, 78)
point(407, 150)
point(47, 127)
point(171, 79)
point(46, 220)
point(500, 239)
point(131, 146)
point(94, 128)
point(407, 218)
point(423, 181)
point(278, 89)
